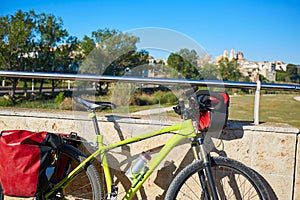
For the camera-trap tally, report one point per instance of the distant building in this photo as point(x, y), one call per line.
point(279, 65)
point(270, 75)
point(219, 58)
point(254, 69)
point(155, 68)
point(225, 54)
point(232, 56)
point(240, 55)
point(251, 70)
point(152, 61)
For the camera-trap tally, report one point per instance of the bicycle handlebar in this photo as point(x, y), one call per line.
point(198, 96)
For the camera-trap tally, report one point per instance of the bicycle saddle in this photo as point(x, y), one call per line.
point(93, 106)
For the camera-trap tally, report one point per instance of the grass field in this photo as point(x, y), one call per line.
point(281, 108)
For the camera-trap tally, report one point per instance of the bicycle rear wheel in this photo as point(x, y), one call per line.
point(86, 184)
point(233, 180)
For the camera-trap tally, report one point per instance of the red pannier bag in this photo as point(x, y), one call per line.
point(213, 120)
point(27, 160)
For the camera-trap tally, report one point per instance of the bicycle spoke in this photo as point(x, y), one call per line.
point(187, 195)
point(233, 181)
point(84, 185)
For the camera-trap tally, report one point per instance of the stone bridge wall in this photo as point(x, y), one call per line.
point(270, 149)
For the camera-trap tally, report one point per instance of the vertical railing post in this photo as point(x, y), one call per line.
point(32, 85)
point(256, 103)
point(69, 84)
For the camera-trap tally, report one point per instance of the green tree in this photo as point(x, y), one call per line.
point(87, 45)
point(185, 64)
point(229, 70)
point(292, 73)
point(68, 56)
point(52, 34)
point(210, 72)
point(113, 52)
point(16, 32)
point(112, 49)
point(189, 55)
point(281, 76)
point(36, 42)
point(176, 62)
point(119, 49)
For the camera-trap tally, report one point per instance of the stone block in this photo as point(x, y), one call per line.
point(238, 149)
point(274, 153)
point(282, 185)
point(297, 173)
point(274, 157)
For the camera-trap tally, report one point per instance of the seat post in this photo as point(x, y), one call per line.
point(95, 122)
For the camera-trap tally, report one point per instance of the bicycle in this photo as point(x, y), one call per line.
point(206, 178)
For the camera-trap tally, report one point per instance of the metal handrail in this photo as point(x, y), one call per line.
point(161, 81)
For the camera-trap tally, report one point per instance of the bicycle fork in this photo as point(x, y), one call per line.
point(205, 176)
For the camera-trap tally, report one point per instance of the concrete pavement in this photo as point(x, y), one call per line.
point(297, 98)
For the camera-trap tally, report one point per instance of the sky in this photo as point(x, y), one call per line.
point(264, 30)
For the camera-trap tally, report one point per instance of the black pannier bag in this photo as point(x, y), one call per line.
point(27, 161)
point(63, 164)
point(213, 108)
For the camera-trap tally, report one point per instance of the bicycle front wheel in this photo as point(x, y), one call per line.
point(86, 184)
point(232, 179)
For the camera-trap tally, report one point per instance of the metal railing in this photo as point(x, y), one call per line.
point(161, 81)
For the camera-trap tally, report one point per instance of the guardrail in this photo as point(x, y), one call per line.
point(161, 81)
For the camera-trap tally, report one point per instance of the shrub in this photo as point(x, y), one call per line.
point(60, 98)
point(143, 100)
point(165, 97)
point(123, 93)
point(6, 102)
point(19, 99)
point(66, 104)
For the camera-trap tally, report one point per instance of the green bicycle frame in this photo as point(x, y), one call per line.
point(182, 131)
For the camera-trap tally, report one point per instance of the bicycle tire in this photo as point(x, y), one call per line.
point(85, 185)
point(230, 178)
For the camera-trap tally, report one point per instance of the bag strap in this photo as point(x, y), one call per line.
point(53, 140)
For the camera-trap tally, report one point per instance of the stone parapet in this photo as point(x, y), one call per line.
point(270, 149)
